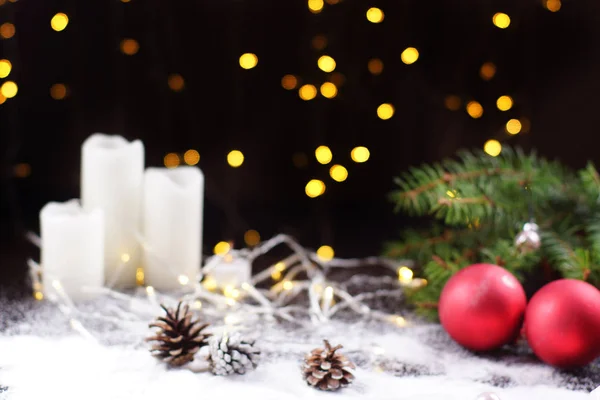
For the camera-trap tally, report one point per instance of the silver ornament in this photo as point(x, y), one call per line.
point(529, 238)
point(488, 396)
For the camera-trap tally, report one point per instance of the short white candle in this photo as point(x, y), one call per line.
point(112, 174)
point(173, 206)
point(230, 272)
point(72, 248)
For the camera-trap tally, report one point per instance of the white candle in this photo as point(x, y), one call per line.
point(112, 173)
point(230, 273)
point(172, 219)
point(72, 248)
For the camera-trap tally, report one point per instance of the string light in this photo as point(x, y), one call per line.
point(58, 91)
point(452, 103)
point(59, 22)
point(315, 188)
point(513, 126)
point(323, 155)
point(210, 283)
point(501, 20)
point(325, 253)
point(385, 111)
point(176, 82)
point(288, 285)
point(9, 89)
point(487, 71)
point(235, 158)
point(7, 30)
point(2, 98)
point(129, 46)
point(375, 66)
point(409, 56)
point(338, 173)
point(360, 154)
point(252, 237)
point(289, 82)
point(39, 296)
point(375, 15)
point(326, 63)
point(315, 6)
point(248, 60)
point(183, 280)
point(329, 90)
point(553, 5)
point(474, 109)
point(504, 103)
point(5, 68)
point(171, 160)
point(140, 276)
point(22, 170)
point(319, 42)
point(492, 147)
point(191, 157)
point(307, 92)
point(125, 258)
point(222, 248)
point(405, 275)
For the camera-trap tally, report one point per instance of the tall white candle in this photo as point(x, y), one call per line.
point(72, 248)
point(173, 211)
point(112, 174)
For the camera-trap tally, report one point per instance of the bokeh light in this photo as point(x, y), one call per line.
point(326, 63)
point(9, 89)
point(474, 109)
point(171, 160)
point(289, 82)
point(235, 158)
point(307, 92)
point(7, 30)
point(59, 22)
point(191, 157)
point(222, 248)
point(319, 42)
point(385, 111)
point(252, 237)
point(501, 20)
point(248, 60)
point(323, 155)
point(410, 55)
point(375, 66)
point(513, 126)
point(325, 253)
point(5, 68)
point(338, 173)
point(487, 71)
point(58, 91)
point(129, 46)
point(314, 188)
point(504, 103)
point(553, 5)
point(315, 6)
point(329, 90)
point(375, 15)
point(176, 82)
point(452, 103)
point(360, 154)
point(492, 147)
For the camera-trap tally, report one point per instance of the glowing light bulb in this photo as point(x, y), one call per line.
point(375, 15)
point(409, 55)
point(501, 20)
point(222, 248)
point(326, 63)
point(323, 155)
point(248, 60)
point(325, 253)
point(385, 111)
point(360, 154)
point(338, 173)
point(59, 22)
point(504, 103)
point(492, 147)
point(235, 158)
point(405, 275)
point(314, 188)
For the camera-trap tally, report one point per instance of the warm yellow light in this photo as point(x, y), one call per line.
point(314, 188)
point(140, 276)
point(329, 90)
point(276, 275)
point(400, 321)
point(553, 5)
point(487, 71)
point(222, 248)
point(319, 42)
point(326, 63)
point(338, 173)
point(504, 103)
point(197, 305)
point(38, 296)
point(375, 15)
point(191, 157)
point(7, 30)
point(409, 55)
point(315, 6)
point(150, 291)
point(176, 82)
point(451, 193)
point(228, 291)
point(279, 267)
point(129, 46)
point(405, 275)
point(289, 82)
point(9, 89)
point(375, 66)
point(235, 158)
point(307, 92)
point(385, 111)
point(452, 103)
point(125, 258)
point(474, 109)
point(492, 147)
point(513, 126)
point(360, 154)
point(22, 170)
point(183, 280)
point(171, 160)
point(5, 68)
point(288, 285)
point(209, 283)
point(59, 22)
point(252, 237)
point(58, 91)
point(2, 98)
point(248, 60)
point(323, 155)
point(501, 20)
point(325, 253)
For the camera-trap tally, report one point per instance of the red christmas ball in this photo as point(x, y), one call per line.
point(562, 323)
point(482, 307)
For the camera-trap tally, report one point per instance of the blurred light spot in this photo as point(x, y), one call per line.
point(7, 30)
point(474, 109)
point(451, 193)
point(235, 158)
point(360, 154)
point(375, 66)
point(2, 98)
point(323, 155)
point(2, 2)
point(59, 22)
point(337, 78)
point(58, 91)
point(319, 42)
point(326, 63)
point(487, 71)
point(315, 6)
point(338, 173)
point(452, 102)
point(248, 60)
point(129, 46)
point(329, 90)
point(492, 147)
point(183, 280)
point(9, 89)
point(191, 157)
point(385, 111)
point(513, 126)
point(210, 283)
point(252, 237)
point(288, 285)
point(409, 55)
point(504, 103)
point(553, 5)
point(125, 1)
point(375, 15)
point(125, 258)
point(171, 160)
point(39, 296)
point(222, 248)
point(405, 274)
point(289, 82)
point(22, 170)
point(176, 82)
point(307, 92)
point(325, 253)
point(501, 20)
point(5, 68)
point(276, 275)
point(333, 2)
point(314, 188)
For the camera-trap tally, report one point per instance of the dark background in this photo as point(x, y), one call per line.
point(549, 62)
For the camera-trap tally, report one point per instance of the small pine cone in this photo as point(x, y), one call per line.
point(179, 336)
point(232, 355)
point(325, 369)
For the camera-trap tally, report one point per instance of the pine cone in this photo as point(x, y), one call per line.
point(179, 337)
point(232, 355)
point(326, 370)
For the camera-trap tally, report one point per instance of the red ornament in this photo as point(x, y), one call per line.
point(562, 323)
point(482, 307)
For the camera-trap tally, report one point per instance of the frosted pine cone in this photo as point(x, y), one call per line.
point(327, 370)
point(232, 354)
